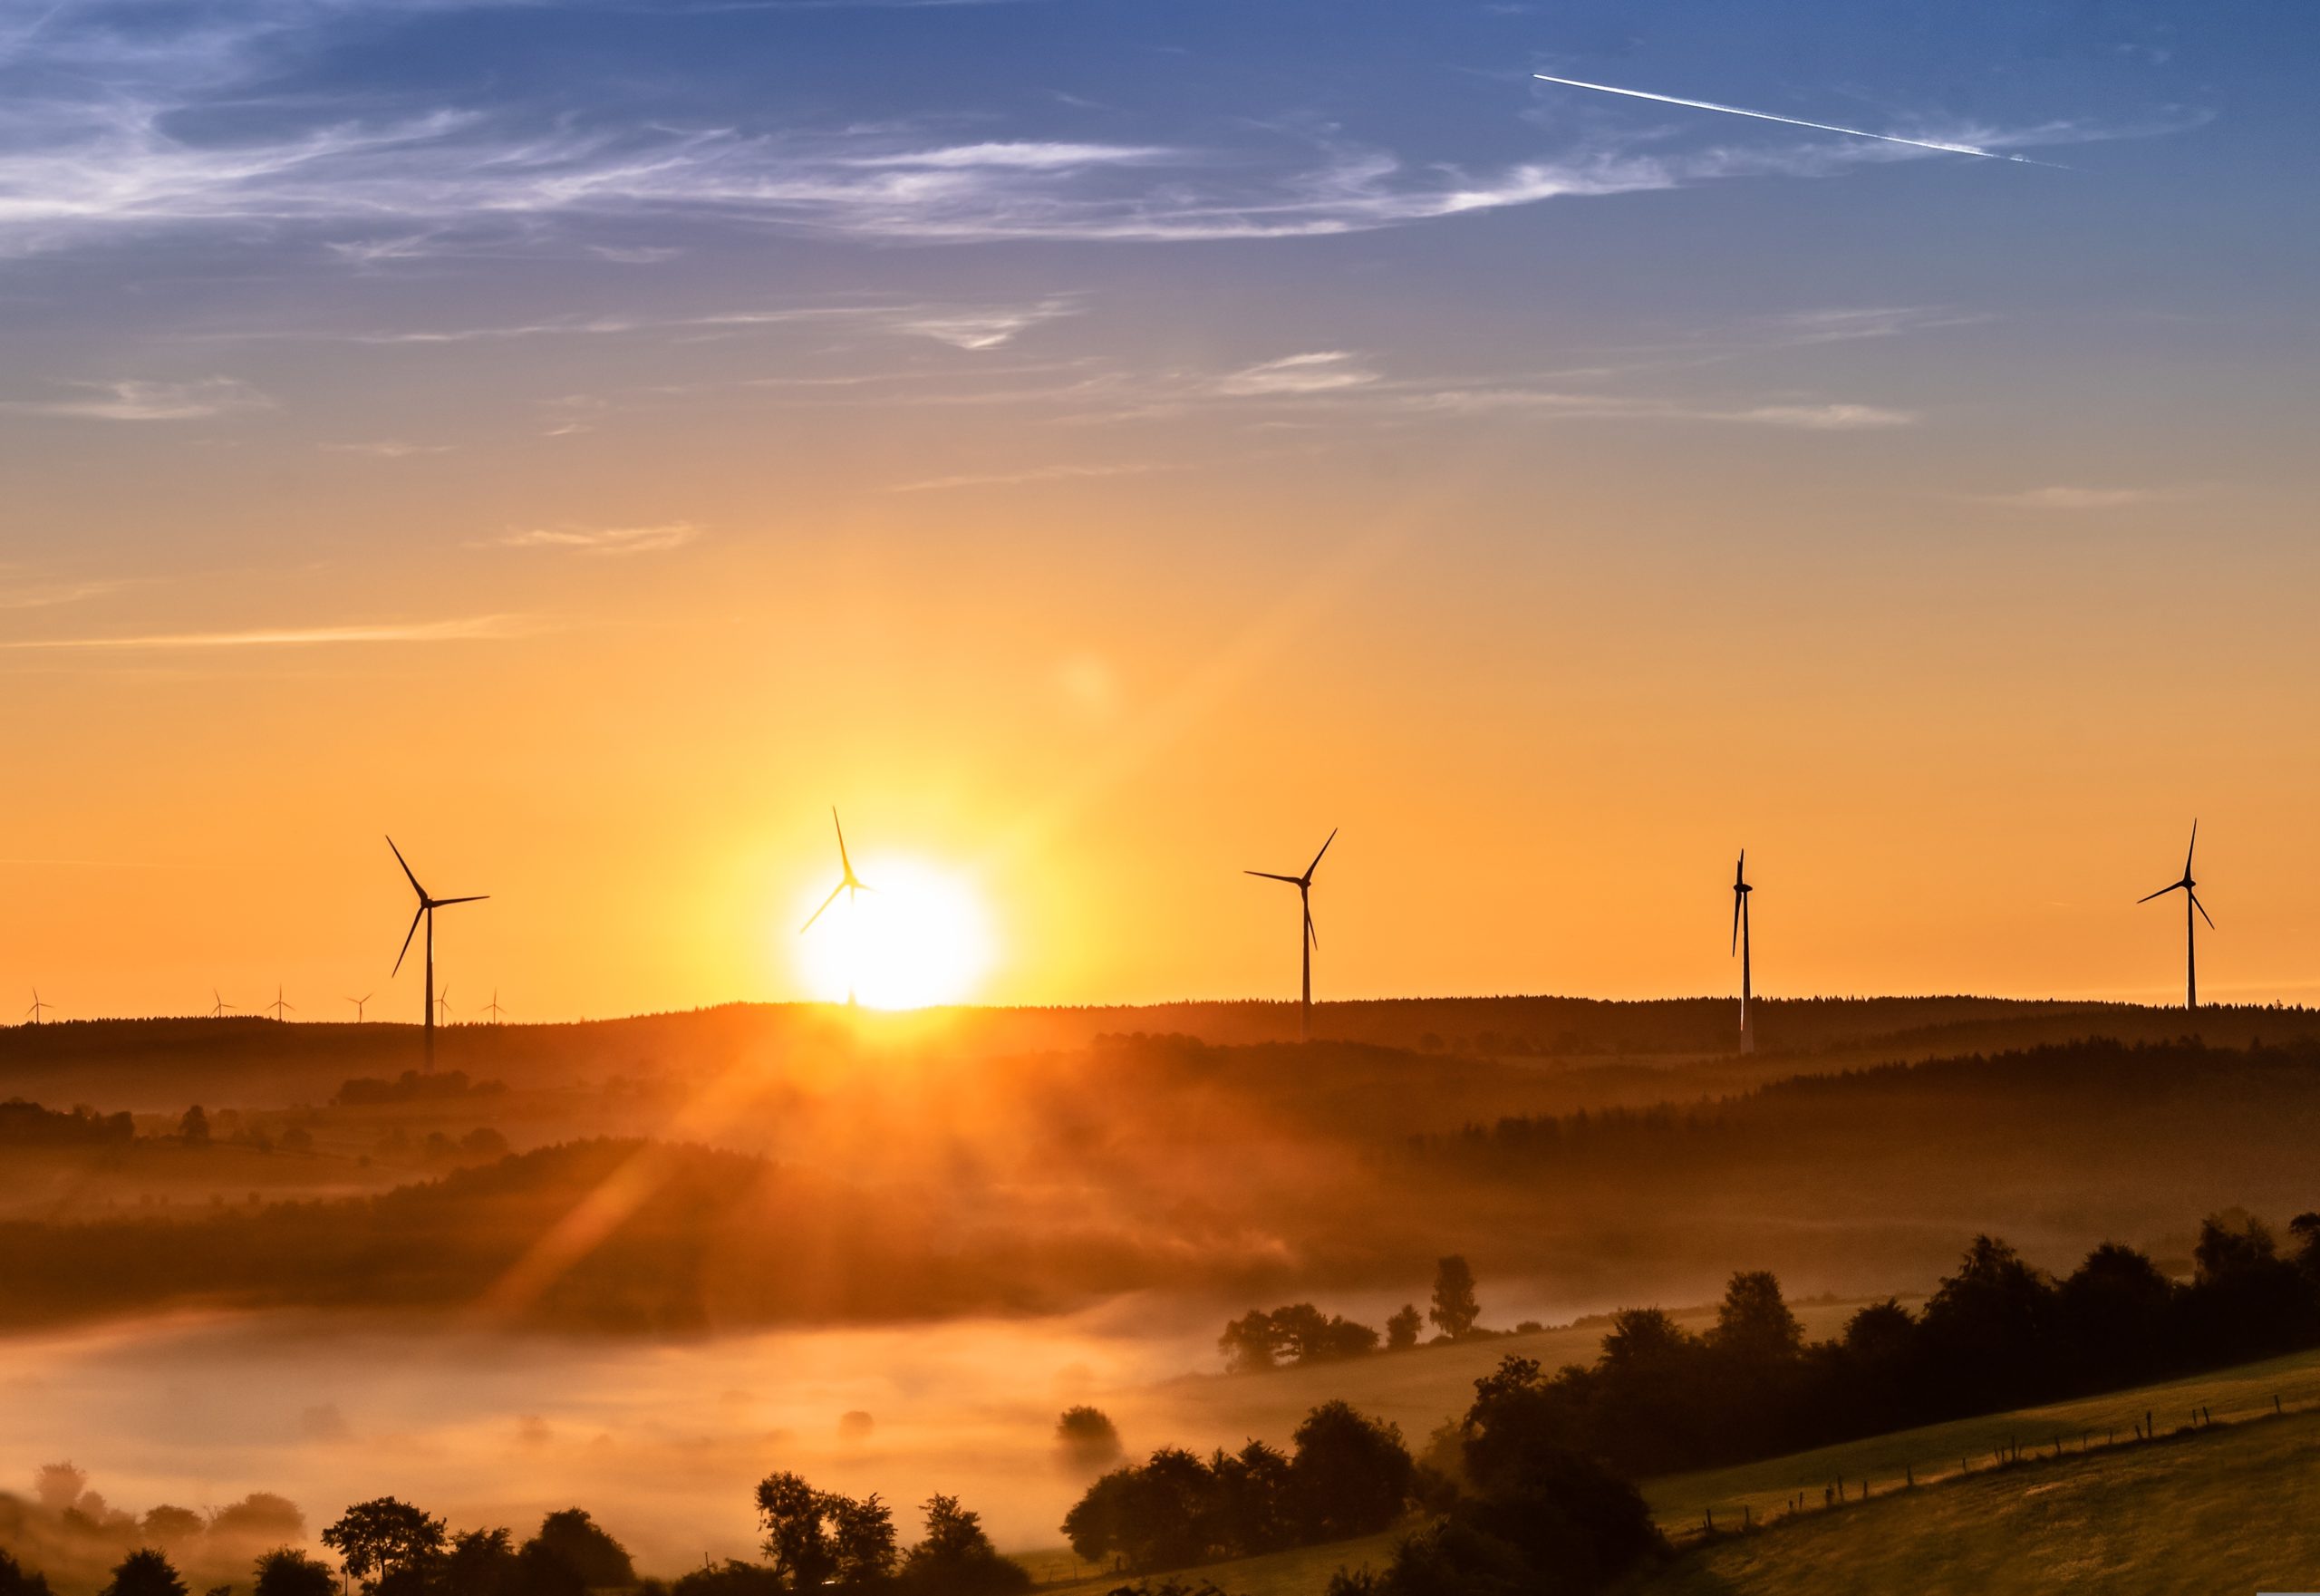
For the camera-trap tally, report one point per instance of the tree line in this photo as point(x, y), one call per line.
point(1300, 1333)
point(1506, 1504)
point(1998, 1333)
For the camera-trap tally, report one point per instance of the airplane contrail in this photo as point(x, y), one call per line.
point(1767, 116)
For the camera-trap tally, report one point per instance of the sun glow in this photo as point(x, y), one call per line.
point(916, 934)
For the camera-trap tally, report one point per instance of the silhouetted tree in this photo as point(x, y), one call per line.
point(1350, 1475)
point(287, 1572)
point(1401, 1329)
point(821, 1538)
point(18, 1581)
point(1251, 1510)
point(1086, 1438)
point(144, 1573)
point(166, 1526)
point(259, 1517)
point(1454, 1309)
point(1247, 1342)
point(59, 1486)
point(376, 1538)
point(193, 1129)
point(1753, 1324)
point(956, 1558)
point(579, 1543)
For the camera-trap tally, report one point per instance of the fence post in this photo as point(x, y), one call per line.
point(1711, 1521)
point(2276, 1404)
point(1908, 1478)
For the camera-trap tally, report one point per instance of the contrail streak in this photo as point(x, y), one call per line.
point(1767, 116)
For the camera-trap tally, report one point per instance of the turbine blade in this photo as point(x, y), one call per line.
point(1270, 875)
point(406, 868)
point(2162, 892)
point(2202, 908)
point(2190, 851)
point(1311, 936)
point(1316, 864)
point(817, 915)
point(407, 935)
point(1735, 920)
point(445, 903)
point(1740, 871)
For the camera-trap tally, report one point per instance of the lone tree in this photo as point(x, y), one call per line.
point(381, 1537)
point(144, 1573)
point(957, 1558)
point(1086, 1438)
point(59, 1486)
point(287, 1572)
point(194, 1128)
point(1401, 1329)
point(1454, 1309)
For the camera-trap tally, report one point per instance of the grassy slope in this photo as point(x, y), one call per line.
point(2228, 1509)
point(2062, 1513)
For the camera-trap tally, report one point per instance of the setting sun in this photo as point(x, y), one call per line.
point(916, 934)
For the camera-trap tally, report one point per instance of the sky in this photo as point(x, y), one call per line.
point(1100, 445)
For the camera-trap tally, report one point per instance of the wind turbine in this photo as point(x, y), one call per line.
point(1740, 891)
point(2188, 888)
point(1307, 942)
point(38, 1008)
point(443, 1004)
point(358, 1003)
point(427, 908)
point(278, 1005)
point(493, 1008)
point(849, 884)
point(218, 1008)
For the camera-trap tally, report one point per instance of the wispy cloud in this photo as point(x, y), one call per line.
point(1326, 372)
point(603, 540)
point(109, 127)
point(2071, 499)
point(461, 629)
point(135, 399)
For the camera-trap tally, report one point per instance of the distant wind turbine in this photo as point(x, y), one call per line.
point(427, 908)
point(38, 1009)
point(1309, 940)
point(1767, 116)
point(849, 884)
point(358, 1003)
point(218, 1008)
point(443, 1004)
point(493, 1008)
point(278, 1005)
point(2188, 887)
point(1740, 891)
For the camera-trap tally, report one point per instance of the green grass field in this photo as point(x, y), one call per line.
point(2229, 1509)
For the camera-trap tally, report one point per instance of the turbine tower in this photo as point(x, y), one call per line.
point(278, 1005)
point(1309, 940)
point(2188, 888)
point(849, 884)
point(427, 908)
point(493, 1008)
point(38, 1009)
point(1740, 891)
point(358, 1003)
